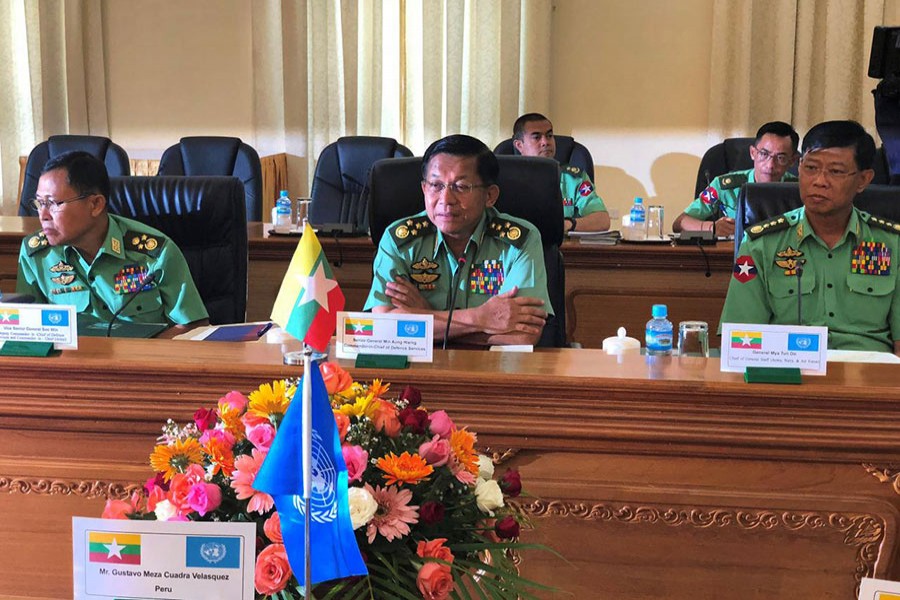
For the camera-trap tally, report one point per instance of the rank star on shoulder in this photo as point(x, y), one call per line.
point(316, 287)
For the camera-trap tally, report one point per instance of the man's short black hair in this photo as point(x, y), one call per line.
point(842, 134)
point(465, 145)
point(781, 129)
point(86, 173)
point(519, 125)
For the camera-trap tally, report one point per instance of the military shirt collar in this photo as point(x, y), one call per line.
point(804, 230)
point(112, 243)
point(476, 237)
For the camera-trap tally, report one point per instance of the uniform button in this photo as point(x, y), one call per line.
point(870, 290)
point(139, 307)
point(790, 291)
point(831, 314)
point(829, 286)
point(830, 255)
point(92, 277)
point(105, 307)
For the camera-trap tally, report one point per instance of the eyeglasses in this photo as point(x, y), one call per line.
point(55, 205)
point(764, 155)
point(461, 189)
point(833, 173)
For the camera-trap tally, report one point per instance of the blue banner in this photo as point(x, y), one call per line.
point(213, 552)
point(411, 329)
point(802, 342)
point(54, 318)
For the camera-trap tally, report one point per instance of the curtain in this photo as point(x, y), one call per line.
point(800, 61)
point(413, 70)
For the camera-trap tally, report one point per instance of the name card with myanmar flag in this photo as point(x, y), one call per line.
point(774, 346)
point(48, 323)
point(394, 334)
point(878, 589)
point(115, 558)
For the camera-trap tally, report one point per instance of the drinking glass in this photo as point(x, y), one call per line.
point(301, 211)
point(693, 338)
point(655, 222)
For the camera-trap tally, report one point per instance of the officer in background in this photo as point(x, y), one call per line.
point(773, 152)
point(583, 209)
point(838, 258)
point(495, 259)
point(85, 257)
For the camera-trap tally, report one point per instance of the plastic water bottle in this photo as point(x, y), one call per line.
point(638, 220)
point(281, 213)
point(659, 332)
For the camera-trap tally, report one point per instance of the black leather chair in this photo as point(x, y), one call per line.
point(113, 155)
point(218, 156)
point(342, 171)
point(732, 154)
point(568, 152)
point(529, 189)
point(763, 201)
point(206, 218)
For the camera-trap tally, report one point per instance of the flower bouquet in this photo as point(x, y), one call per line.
point(430, 519)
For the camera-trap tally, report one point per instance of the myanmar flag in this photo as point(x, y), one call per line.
point(359, 327)
point(751, 340)
point(310, 298)
point(116, 548)
point(9, 317)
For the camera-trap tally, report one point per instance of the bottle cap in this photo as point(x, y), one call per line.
point(638, 200)
point(620, 343)
point(284, 192)
point(660, 311)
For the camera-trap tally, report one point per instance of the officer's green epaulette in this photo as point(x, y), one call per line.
point(885, 224)
point(508, 231)
point(732, 180)
point(763, 227)
point(411, 229)
point(573, 170)
point(144, 242)
point(36, 243)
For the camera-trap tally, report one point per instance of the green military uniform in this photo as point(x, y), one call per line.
point(503, 252)
point(131, 251)
point(579, 196)
point(852, 288)
point(722, 194)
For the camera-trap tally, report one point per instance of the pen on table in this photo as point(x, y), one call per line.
point(262, 330)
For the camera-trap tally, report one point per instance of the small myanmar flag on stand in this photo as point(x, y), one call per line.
point(310, 298)
point(359, 327)
point(115, 548)
point(751, 340)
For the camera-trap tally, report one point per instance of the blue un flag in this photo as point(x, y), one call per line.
point(802, 342)
point(54, 318)
point(335, 553)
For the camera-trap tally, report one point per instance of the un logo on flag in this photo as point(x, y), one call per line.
point(323, 498)
point(213, 552)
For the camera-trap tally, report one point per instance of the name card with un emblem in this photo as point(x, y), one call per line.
point(775, 347)
point(39, 323)
point(389, 334)
point(879, 589)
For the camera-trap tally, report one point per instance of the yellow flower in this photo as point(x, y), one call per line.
point(406, 468)
point(462, 444)
point(379, 389)
point(363, 407)
point(231, 419)
point(271, 401)
point(176, 457)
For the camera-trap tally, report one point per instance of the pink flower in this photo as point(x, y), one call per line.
point(440, 423)
point(272, 528)
point(225, 436)
point(179, 488)
point(158, 480)
point(434, 581)
point(235, 400)
point(261, 436)
point(357, 460)
point(246, 467)
point(155, 496)
point(394, 514)
point(435, 549)
point(436, 452)
point(273, 571)
point(205, 418)
point(120, 509)
point(204, 497)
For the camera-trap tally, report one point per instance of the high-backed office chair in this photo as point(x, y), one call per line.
point(342, 171)
point(529, 189)
point(732, 154)
point(113, 155)
point(206, 217)
point(568, 152)
point(218, 156)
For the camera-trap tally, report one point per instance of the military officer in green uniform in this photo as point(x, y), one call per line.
point(495, 261)
point(827, 263)
point(773, 152)
point(583, 209)
point(85, 257)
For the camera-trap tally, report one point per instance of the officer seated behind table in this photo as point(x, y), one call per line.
point(86, 257)
point(847, 283)
point(773, 152)
point(583, 209)
point(502, 288)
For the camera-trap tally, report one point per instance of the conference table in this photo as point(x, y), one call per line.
point(606, 286)
point(651, 477)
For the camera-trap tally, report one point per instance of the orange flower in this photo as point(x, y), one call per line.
point(336, 379)
point(462, 444)
point(379, 389)
point(176, 457)
point(220, 455)
point(343, 424)
point(386, 418)
point(231, 418)
point(406, 468)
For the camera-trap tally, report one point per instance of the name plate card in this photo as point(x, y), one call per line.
point(115, 558)
point(391, 334)
point(774, 346)
point(55, 323)
point(878, 589)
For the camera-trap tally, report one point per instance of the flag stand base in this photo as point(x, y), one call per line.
point(295, 357)
point(772, 375)
point(381, 361)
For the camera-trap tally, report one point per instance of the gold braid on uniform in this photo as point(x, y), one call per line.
point(407, 230)
point(144, 242)
point(885, 224)
point(511, 232)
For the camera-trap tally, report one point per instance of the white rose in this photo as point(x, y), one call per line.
point(485, 467)
point(488, 495)
point(362, 506)
point(164, 510)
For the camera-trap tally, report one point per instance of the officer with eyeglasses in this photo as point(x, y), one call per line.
point(773, 152)
point(839, 260)
point(496, 260)
point(86, 257)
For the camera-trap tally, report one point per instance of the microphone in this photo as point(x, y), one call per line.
point(460, 265)
point(145, 282)
point(799, 270)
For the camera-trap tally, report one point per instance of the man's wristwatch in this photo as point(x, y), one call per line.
point(572, 223)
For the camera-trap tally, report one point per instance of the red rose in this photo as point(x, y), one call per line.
point(507, 528)
point(412, 396)
point(511, 483)
point(414, 419)
point(272, 570)
point(205, 418)
point(434, 581)
point(431, 512)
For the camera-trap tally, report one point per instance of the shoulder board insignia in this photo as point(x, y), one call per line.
point(573, 170)
point(36, 243)
point(885, 224)
point(507, 230)
point(144, 242)
point(760, 229)
point(409, 229)
point(732, 180)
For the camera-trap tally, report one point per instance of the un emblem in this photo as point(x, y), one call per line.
point(803, 342)
point(323, 498)
point(212, 552)
point(411, 328)
point(54, 318)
